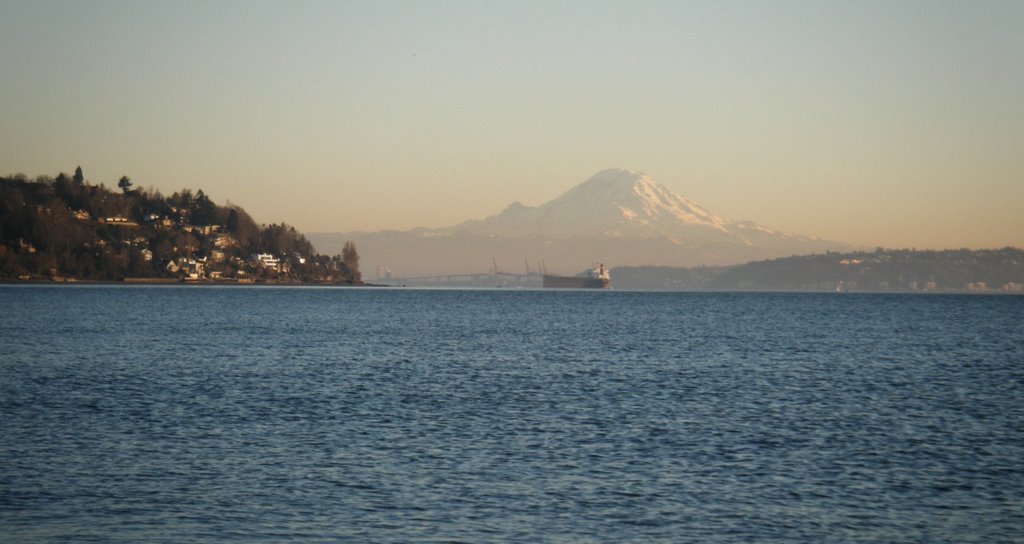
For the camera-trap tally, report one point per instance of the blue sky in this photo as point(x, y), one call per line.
point(877, 123)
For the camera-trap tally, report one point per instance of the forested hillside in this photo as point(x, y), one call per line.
point(66, 229)
point(985, 270)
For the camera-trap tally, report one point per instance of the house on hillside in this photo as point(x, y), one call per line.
point(189, 269)
point(266, 261)
point(224, 240)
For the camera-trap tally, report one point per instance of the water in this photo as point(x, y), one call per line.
point(192, 414)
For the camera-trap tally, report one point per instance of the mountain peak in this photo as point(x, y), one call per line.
point(640, 205)
point(612, 182)
point(614, 203)
point(616, 176)
point(617, 215)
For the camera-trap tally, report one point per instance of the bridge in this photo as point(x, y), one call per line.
point(488, 280)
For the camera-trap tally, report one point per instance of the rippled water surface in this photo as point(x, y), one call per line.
point(192, 414)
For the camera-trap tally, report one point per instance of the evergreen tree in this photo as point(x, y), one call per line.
point(79, 177)
point(350, 258)
point(202, 210)
point(232, 223)
point(125, 184)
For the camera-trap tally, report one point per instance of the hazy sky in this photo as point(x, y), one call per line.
point(878, 123)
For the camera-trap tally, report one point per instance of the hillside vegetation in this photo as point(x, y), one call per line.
point(66, 229)
point(987, 270)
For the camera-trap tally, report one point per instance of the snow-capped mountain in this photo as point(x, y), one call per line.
point(613, 203)
point(619, 217)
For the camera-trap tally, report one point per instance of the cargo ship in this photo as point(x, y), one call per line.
point(597, 278)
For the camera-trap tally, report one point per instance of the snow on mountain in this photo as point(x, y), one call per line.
point(614, 203)
point(620, 217)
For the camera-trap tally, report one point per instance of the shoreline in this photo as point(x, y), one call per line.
point(172, 281)
point(265, 283)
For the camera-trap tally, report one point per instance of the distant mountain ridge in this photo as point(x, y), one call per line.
point(881, 270)
point(621, 217)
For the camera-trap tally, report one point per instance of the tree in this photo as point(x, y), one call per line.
point(232, 223)
point(203, 211)
point(79, 177)
point(125, 184)
point(62, 185)
point(350, 258)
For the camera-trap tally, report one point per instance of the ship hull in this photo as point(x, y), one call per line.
point(575, 282)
